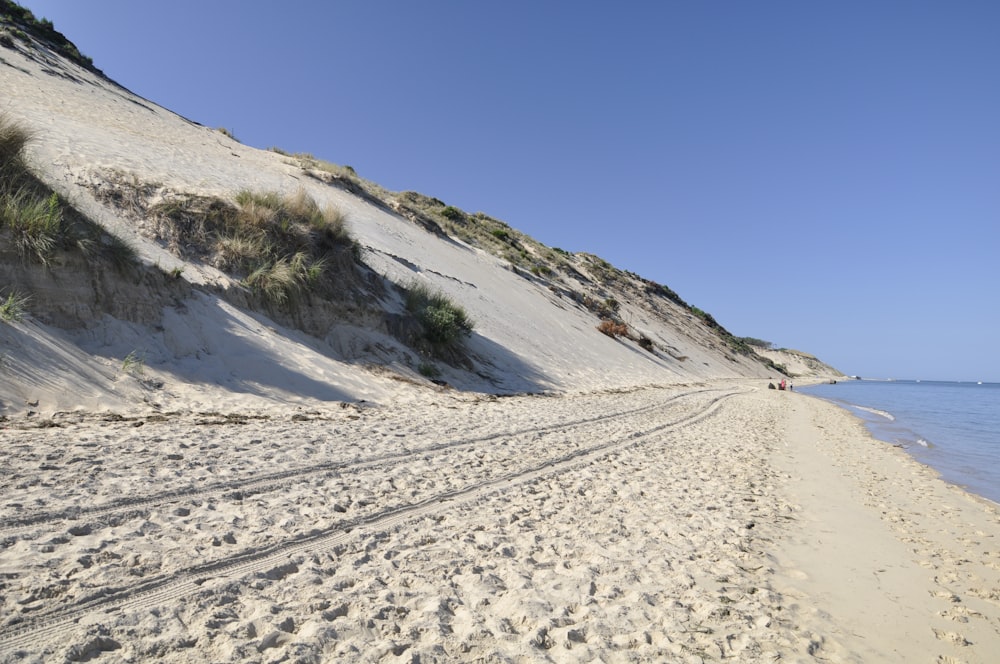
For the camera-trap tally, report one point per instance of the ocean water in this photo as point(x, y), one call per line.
point(952, 427)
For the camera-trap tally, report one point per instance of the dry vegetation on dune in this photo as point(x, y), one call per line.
point(290, 254)
point(584, 278)
point(287, 252)
point(278, 246)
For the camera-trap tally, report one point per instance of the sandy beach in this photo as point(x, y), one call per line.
point(186, 479)
point(690, 523)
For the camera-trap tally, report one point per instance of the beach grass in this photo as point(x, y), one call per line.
point(14, 307)
point(38, 221)
point(36, 224)
point(279, 245)
point(14, 138)
point(134, 364)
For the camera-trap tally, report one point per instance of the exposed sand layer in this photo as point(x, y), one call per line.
point(690, 523)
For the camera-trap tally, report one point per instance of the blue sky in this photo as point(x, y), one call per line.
point(825, 176)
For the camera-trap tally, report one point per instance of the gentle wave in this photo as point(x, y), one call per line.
point(876, 411)
point(952, 427)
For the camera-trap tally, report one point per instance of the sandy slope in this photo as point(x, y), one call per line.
point(88, 132)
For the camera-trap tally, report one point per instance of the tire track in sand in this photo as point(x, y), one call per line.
point(278, 560)
point(241, 488)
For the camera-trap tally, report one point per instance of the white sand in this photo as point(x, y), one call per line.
point(693, 523)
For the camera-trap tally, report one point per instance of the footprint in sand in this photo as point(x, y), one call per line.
point(959, 614)
point(988, 594)
point(952, 637)
point(93, 647)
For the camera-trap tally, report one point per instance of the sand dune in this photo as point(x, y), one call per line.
point(94, 140)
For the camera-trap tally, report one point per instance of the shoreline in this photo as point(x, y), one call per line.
point(948, 453)
point(675, 523)
point(901, 564)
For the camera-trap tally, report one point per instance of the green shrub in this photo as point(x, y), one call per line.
point(43, 29)
point(756, 343)
point(444, 322)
